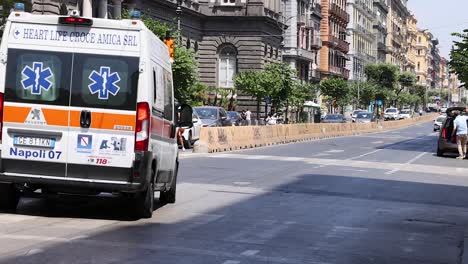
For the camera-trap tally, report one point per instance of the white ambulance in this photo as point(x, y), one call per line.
point(87, 107)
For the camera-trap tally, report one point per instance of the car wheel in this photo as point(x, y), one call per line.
point(188, 142)
point(144, 202)
point(169, 197)
point(439, 153)
point(9, 197)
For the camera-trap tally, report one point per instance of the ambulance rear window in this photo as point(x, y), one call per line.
point(38, 77)
point(105, 81)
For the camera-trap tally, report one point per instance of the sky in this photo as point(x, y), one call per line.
point(441, 18)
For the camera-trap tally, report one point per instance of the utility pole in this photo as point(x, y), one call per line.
point(179, 14)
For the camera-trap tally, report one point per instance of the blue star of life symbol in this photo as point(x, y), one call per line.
point(37, 78)
point(104, 83)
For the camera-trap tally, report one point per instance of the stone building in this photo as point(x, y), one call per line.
point(381, 30)
point(435, 65)
point(228, 36)
point(361, 37)
point(333, 54)
point(412, 39)
point(302, 37)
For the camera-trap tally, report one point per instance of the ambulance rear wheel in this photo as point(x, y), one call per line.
point(144, 202)
point(9, 197)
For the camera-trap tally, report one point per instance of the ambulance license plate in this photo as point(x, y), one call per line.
point(34, 142)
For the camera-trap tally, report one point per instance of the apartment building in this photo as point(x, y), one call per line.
point(397, 37)
point(302, 41)
point(412, 39)
point(435, 65)
point(380, 29)
point(333, 54)
point(361, 36)
point(423, 48)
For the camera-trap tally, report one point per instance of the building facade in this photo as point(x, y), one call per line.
point(435, 65)
point(397, 35)
point(361, 37)
point(380, 30)
point(302, 41)
point(412, 39)
point(333, 54)
point(423, 48)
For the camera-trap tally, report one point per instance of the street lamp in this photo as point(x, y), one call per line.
point(179, 13)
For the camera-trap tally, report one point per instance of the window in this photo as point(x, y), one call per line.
point(168, 96)
point(105, 81)
point(38, 77)
point(227, 66)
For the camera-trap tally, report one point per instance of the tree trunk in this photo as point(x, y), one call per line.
point(258, 108)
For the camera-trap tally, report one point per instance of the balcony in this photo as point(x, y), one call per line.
point(420, 46)
point(381, 4)
point(339, 13)
point(421, 72)
point(317, 10)
point(304, 20)
point(381, 47)
point(339, 44)
point(363, 6)
point(364, 31)
point(316, 43)
point(338, 71)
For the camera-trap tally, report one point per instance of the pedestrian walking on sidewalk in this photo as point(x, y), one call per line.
point(247, 116)
point(461, 130)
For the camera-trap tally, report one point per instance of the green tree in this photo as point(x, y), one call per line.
point(365, 91)
point(184, 68)
point(336, 89)
point(406, 80)
point(252, 83)
point(383, 74)
point(459, 56)
point(279, 80)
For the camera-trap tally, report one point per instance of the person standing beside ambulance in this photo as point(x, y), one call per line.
point(461, 131)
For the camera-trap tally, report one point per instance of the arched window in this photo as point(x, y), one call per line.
point(227, 66)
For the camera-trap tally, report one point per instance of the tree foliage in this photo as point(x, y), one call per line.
point(337, 89)
point(383, 74)
point(459, 56)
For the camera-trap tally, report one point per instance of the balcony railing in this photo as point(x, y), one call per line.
point(340, 44)
point(382, 4)
point(339, 13)
point(342, 72)
point(316, 43)
point(363, 5)
point(317, 10)
point(305, 21)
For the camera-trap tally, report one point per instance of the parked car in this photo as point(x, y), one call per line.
point(443, 109)
point(192, 134)
point(438, 122)
point(213, 116)
point(447, 143)
point(391, 114)
point(365, 117)
point(354, 114)
point(405, 114)
point(334, 118)
point(235, 118)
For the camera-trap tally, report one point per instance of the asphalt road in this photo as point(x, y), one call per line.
point(377, 198)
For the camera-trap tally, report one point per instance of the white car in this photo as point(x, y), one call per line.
point(405, 114)
point(192, 134)
point(438, 122)
point(391, 113)
point(354, 115)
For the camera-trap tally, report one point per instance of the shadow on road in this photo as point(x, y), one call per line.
point(314, 219)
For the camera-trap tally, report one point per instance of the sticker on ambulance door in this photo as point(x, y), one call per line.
point(36, 78)
point(104, 83)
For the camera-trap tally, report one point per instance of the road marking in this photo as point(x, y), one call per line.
point(378, 142)
point(242, 183)
point(411, 161)
point(249, 253)
point(365, 154)
point(334, 151)
point(231, 262)
point(322, 155)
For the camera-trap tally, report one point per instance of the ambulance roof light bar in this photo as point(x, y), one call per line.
point(77, 21)
point(18, 7)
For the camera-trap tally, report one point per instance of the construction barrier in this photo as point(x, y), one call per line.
point(218, 139)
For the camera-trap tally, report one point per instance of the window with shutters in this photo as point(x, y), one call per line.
point(227, 66)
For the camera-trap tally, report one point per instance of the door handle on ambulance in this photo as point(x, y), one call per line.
point(85, 119)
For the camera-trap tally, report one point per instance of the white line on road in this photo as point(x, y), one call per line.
point(408, 162)
point(249, 253)
point(231, 262)
point(365, 154)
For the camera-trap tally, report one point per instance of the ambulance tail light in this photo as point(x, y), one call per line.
point(142, 127)
point(77, 21)
point(2, 97)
